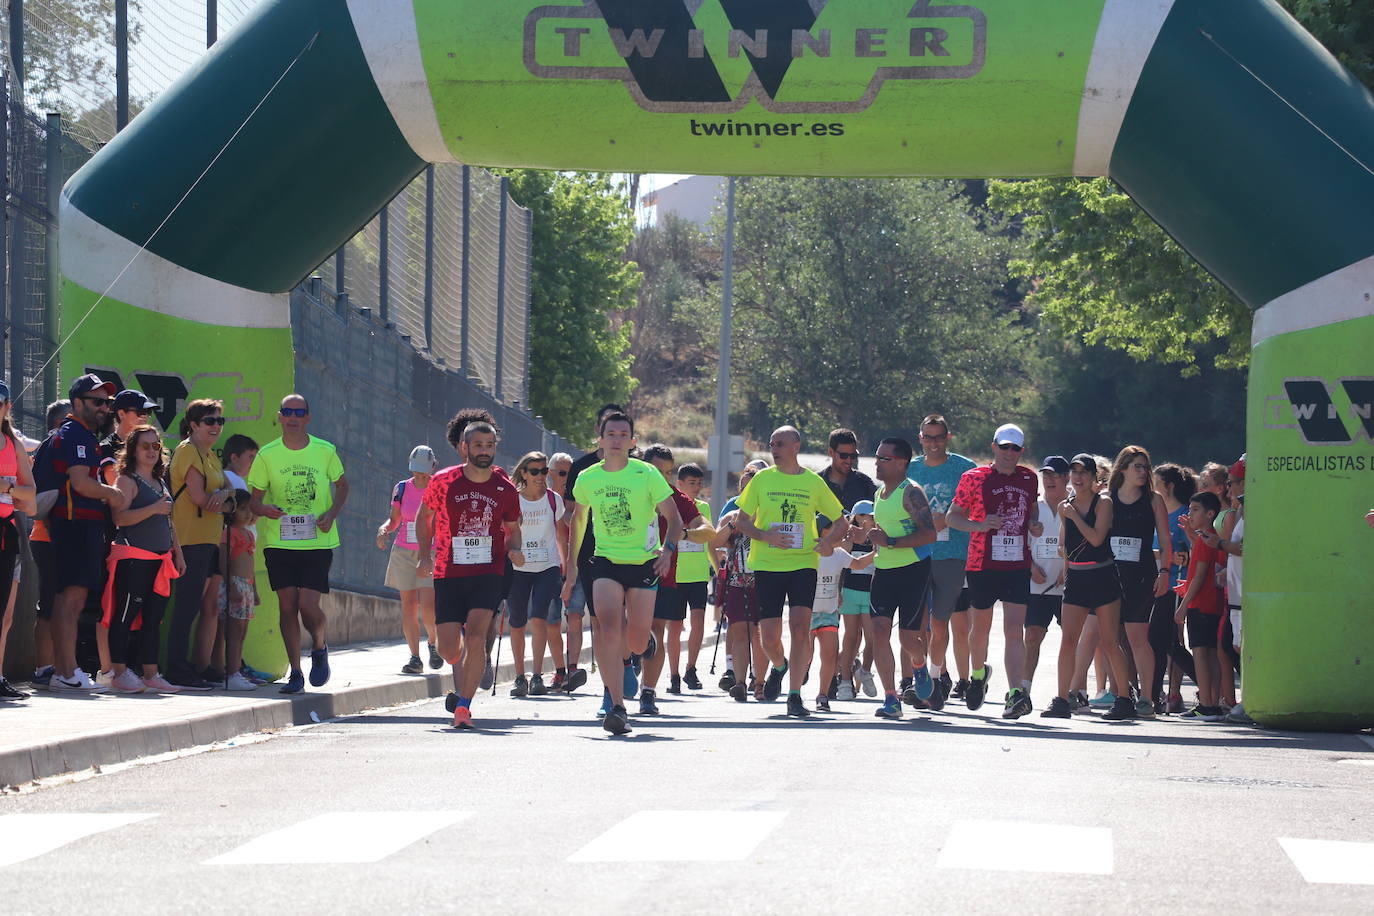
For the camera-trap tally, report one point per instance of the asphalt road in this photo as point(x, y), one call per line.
point(713, 807)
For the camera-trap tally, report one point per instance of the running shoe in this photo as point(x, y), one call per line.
point(521, 687)
point(1122, 710)
point(866, 679)
point(79, 682)
point(652, 648)
point(647, 706)
point(537, 687)
point(211, 676)
point(923, 683)
point(1238, 716)
point(488, 676)
point(42, 677)
point(691, 680)
point(1017, 704)
point(9, 692)
point(904, 685)
point(576, 678)
point(1103, 700)
point(605, 703)
point(892, 709)
point(978, 688)
point(294, 684)
point(1078, 701)
point(795, 707)
point(319, 667)
point(739, 692)
point(450, 701)
point(909, 696)
point(772, 688)
point(834, 689)
point(127, 682)
point(846, 691)
point(414, 666)
point(1161, 708)
point(946, 685)
point(1144, 709)
point(256, 675)
point(436, 661)
point(558, 683)
point(160, 684)
point(105, 678)
point(937, 698)
point(1202, 714)
point(631, 684)
point(822, 703)
point(462, 718)
point(727, 680)
point(960, 690)
point(674, 684)
point(1175, 706)
point(616, 721)
point(237, 682)
point(1058, 709)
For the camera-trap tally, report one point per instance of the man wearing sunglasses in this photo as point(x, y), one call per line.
point(996, 504)
point(299, 490)
point(847, 482)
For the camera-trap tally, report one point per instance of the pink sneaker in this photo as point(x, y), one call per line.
point(127, 682)
point(160, 684)
point(462, 717)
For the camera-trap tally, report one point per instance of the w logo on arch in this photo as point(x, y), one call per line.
point(719, 55)
point(1324, 414)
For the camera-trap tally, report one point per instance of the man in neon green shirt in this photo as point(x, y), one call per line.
point(778, 512)
point(625, 497)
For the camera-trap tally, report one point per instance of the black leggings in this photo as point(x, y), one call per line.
point(202, 561)
point(1165, 643)
point(9, 560)
point(134, 595)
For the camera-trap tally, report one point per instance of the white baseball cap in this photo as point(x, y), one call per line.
point(1009, 434)
point(422, 460)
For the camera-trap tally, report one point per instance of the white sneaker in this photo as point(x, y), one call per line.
point(1238, 716)
point(238, 682)
point(128, 682)
point(846, 691)
point(79, 682)
point(160, 684)
point(866, 679)
point(105, 678)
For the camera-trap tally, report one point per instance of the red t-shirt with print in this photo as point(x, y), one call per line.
point(474, 512)
point(983, 492)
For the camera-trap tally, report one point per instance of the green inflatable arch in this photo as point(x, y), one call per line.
point(1229, 124)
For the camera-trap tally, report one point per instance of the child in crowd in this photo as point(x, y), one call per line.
point(854, 608)
point(825, 611)
point(1201, 607)
point(238, 595)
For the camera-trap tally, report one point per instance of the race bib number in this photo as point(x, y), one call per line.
point(410, 533)
point(686, 546)
point(1046, 548)
point(536, 552)
point(1008, 548)
point(471, 551)
point(828, 588)
point(942, 534)
point(651, 537)
point(1126, 550)
point(298, 528)
point(796, 534)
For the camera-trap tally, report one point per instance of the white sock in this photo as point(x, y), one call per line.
point(1025, 684)
point(729, 662)
point(935, 670)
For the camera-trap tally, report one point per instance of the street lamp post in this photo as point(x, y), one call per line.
point(720, 471)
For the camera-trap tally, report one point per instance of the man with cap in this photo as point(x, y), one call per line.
point(1047, 565)
point(417, 592)
point(76, 522)
point(996, 504)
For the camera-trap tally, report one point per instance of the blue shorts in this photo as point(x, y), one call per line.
point(822, 619)
point(853, 601)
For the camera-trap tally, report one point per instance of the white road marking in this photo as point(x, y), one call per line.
point(1020, 846)
point(341, 837)
point(32, 835)
point(1331, 861)
point(681, 836)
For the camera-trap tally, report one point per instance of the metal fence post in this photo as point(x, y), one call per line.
point(4, 199)
point(465, 285)
point(121, 64)
point(341, 278)
point(52, 184)
point(17, 47)
point(429, 258)
point(17, 225)
point(383, 259)
point(499, 387)
point(211, 22)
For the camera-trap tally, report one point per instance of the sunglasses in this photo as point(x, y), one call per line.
point(212, 421)
point(538, 472)
point(847, 456)
point(886, 458)
point(940, 438)
point(295, 411)
point(1008, 447)
point(151, 444)
point(108, 402)
point(561, 473)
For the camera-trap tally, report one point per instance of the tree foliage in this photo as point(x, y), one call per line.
point(867, 303)
point(579, 358)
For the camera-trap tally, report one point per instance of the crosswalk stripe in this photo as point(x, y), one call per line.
point(681, 836)
point(1331, 861)
point(1020, 846)
point(341, 837)
point(33, 835)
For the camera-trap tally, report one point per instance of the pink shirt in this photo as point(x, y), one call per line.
point(409, 496)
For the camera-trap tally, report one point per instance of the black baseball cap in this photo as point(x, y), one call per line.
point(4, 391)
point(1088, 461)
point(133, 399)
point(1055, 463)
point(88, 383)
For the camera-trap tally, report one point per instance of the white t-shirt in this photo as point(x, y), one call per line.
point(1233, 565)
point(539, 531)
point(1045, 552)
point(235, 481)
point(828, 581)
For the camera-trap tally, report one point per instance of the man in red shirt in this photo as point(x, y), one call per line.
point(997, 505)
point(472, 512)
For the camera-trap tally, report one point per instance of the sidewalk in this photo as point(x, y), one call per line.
point(54, 733)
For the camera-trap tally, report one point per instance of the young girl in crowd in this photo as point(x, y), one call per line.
point(1177, 485)
point(16, 491)
point(238, 595)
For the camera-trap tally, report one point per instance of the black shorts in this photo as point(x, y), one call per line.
point(638, 575)
point(899, 594)
point(1092, 588)
point(79, 546)
point(986, 587)
point(298, 568)
point(1041, 609)
point(1202, 629)
point(795, 588)
point(455, 598)
point(45, 558)
point(965, 601)
point(1137, 591)
point(695, 592)
point(672, 602)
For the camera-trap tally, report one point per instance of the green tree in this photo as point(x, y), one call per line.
point(579, 357)
point(867, 303)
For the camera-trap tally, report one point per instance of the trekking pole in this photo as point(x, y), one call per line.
point(500, 632)
point(716, 648)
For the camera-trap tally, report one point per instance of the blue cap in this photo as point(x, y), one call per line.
point(862, 507)
point(1055, 463)
point(133, 399)
point(4, 391)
